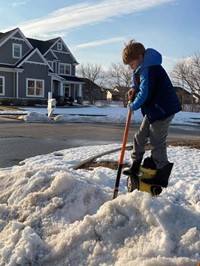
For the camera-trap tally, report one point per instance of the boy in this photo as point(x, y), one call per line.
point(153, 92)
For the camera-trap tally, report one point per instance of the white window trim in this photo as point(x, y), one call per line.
point(13, 50)
point(59, 46)
point(50, 63)
point(35, 96)
point(64, 64)
point(3, 79)
point(68, 87)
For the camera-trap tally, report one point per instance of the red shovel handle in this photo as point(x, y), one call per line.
point(121, 158)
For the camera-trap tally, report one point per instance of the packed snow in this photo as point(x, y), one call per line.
point(51, 214)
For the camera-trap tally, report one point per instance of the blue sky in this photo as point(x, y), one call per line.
point(95, 31)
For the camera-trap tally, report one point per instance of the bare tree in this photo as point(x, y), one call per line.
point(93, 72)
point(186, 74)
point(120, 77)
point(96, 75)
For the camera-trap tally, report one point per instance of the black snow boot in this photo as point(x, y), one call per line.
point(133, 169)
point(162, 176)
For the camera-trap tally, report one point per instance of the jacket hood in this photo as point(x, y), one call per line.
point(151, 58)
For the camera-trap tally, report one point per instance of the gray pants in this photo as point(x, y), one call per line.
point(157, 134)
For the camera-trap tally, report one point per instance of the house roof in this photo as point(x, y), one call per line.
point(7, 66)
point(90, 83)
point(72, 78)
point(42, 46)
point(183, 90)
point(114, 92)
point(35, 51)
point(4, 35)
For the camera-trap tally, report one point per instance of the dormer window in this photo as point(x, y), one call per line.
point(16, 50)
point(59, 46)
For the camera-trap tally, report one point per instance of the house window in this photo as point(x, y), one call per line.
point(64, 69)
point(59, 46)
point(66, 90)
point(35, 87)
point(16, 50)
point(2, 85)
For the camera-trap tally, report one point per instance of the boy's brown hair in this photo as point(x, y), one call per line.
point(132, 51)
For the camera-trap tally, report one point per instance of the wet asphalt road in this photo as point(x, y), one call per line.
point(20, 140)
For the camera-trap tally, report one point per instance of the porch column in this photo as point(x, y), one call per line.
point(61, 89)
point(17, 85)
point(80, 94)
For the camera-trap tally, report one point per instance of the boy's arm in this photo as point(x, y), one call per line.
point(143, 91)
point(132, 94)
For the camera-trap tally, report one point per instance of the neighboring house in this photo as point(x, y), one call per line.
point(113, 95)
point(31, 68)
point(123, 92)
point(184, 96)
point(109, 94)
point(92, 92)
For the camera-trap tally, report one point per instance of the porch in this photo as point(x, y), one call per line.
point(68, 88)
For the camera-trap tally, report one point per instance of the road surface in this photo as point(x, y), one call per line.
point(20, 140)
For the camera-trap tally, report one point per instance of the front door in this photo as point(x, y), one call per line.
point(56, 87)
point(67, 90)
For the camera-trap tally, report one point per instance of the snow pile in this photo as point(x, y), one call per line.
point(112, 114)
point(51, 214)
point(35, 117)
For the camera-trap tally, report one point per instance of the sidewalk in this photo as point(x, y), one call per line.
point(6, 119)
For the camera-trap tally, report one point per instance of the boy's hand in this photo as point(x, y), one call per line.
point(132, 94)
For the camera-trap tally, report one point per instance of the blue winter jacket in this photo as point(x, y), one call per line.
point(156, 95)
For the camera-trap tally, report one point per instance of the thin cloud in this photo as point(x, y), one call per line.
point(85, 13)
point(98, 43)
point(19, 3)
point(169, 62)
point(172, 60)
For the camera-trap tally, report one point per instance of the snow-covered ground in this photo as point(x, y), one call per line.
point(110, 114)
point(51, 214)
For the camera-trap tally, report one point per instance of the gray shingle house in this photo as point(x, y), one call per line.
point(31, 68)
